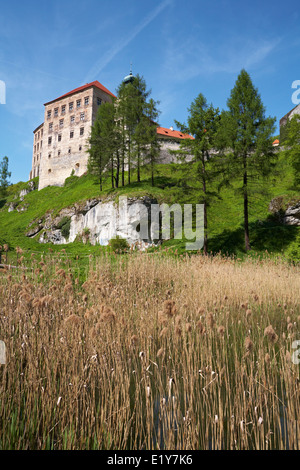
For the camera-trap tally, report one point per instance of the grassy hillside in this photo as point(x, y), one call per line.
point(225, 216)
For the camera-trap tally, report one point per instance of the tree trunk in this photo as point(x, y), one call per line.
point(129, 161)
point(112, 174)
point(205, 244)
point(117, 170)
point(138, 166)
point(246, 213)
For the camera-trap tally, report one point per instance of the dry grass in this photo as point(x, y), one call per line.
point(151, 353)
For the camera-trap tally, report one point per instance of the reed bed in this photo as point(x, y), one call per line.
point(150, 352)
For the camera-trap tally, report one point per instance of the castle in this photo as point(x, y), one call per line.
point(60, 143)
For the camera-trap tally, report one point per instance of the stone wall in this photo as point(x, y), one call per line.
point(67, 128)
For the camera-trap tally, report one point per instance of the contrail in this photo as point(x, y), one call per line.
point(108, 57)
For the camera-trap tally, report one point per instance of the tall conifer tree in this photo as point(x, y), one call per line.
point(245, 140)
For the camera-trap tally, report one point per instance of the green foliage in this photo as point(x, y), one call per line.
point(4, 176)
point(292, 145)
point(64, 225)
point(245, 140)
point(137, 124)
point(293, 250)
point(104, 141)
point(71, 179)
point(118, 245)
point(203, 123)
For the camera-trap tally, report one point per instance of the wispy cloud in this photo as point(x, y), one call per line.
point(189, 60)
point(123, 42)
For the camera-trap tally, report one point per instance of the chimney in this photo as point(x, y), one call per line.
point(171, 128)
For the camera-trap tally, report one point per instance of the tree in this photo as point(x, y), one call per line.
point(292, 146)
point(245, 138)
point(4, 176)
point(133, 113)
point(104, 144)
point(203, 122)
point(152, 148)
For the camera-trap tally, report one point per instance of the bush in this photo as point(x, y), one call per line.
point(64, 225)
point(118, 245)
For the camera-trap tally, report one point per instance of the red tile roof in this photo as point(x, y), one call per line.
point(82, 88)
point(171, 133)
point(276, 141)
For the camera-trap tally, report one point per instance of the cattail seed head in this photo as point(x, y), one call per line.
point(267, 358)
point(163, 332)
point(210, 320)
point(170, 308)
point(160, 352)
point(270, 334)
point(200, 327)
point(248, 344)
point(221, 330)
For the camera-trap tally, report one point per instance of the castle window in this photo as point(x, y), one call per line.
point(38, 146)
point(49, 171)
point(49, 140)
point(99, 101)
point(82, 115)
point(59, 137)
point(72, 119)
point(55, 112)
point(81, 130)
point(80, 148)
point(61, 123)
point(51, 127)
point(38, 171)
point(35, 149)
point(86, 100)
point(63, 109)
point(77, 166)
point(41, 143)
point(58, 153)
point(42, 132)
point(71, 106)
point(71, 134)
point(78, 103)
point(69, 151)
point(49, 115)
point(49, 155)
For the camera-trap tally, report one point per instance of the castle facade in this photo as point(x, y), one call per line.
point(60, 143)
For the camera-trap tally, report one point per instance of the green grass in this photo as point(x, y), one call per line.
point(225, 215)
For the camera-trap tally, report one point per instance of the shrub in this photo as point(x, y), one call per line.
point(118, 244)
point(64, 225)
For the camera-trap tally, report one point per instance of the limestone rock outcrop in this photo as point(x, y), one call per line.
point(98, 221)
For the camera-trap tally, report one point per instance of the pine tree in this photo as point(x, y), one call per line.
point(203, 122)
point(4, 176)
point(152, 146)
point(104, 144)
point(133, 115)
point(245, 138)
point(292, 147)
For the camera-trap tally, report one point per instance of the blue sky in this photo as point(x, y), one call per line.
point(181, 48)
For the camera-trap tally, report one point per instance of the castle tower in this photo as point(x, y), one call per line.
point(61, 142)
